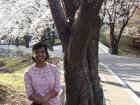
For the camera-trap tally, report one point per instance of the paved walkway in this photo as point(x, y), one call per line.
point(114, 91)
point(120, 78)
point(128, 69)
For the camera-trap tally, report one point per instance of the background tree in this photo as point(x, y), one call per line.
point(78, 25)
point(27, 39)
point(118, 14)
point(48, 38)
point(17, 41)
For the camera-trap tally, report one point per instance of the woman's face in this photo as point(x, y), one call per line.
point(39, 55)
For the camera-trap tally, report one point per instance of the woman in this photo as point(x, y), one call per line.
point(42, 82)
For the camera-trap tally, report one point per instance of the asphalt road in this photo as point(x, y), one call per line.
point(127, 68)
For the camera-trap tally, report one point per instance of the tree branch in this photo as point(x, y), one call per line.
point(70, 9)
point(59, 20)
point(104, 11)
point(126, 19)
point(132, 13)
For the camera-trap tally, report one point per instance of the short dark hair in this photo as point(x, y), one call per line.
point(38, 46)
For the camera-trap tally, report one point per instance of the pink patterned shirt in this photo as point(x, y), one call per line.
point(40, 81)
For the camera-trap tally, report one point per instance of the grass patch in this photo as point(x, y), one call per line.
point(14, 75)
point(57, 41)
point(122, 52)
point(103, 38)
point(11, 81)
point(14, 65)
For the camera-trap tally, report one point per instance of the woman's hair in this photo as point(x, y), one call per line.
point(38, 46)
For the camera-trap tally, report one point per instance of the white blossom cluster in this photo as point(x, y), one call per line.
point(19, 17)
point(117, 9)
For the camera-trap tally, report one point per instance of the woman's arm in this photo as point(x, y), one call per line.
point(52, 94)
point(37, 99)
point(43, 99)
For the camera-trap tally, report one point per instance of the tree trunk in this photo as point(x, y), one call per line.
point(114, 47)
point(92, 57)
point(81, 53)
point(27, 44)
point(114, 42)
point(81, 65)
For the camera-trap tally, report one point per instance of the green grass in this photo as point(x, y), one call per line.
point(14, 64)
point(103, 38)
point(11, 81)
point(122, 52)
point(57, 41)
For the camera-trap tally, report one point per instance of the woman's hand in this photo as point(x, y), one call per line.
point(40, 100)
point(37, 99)
point(45, 100)
point(45, 104)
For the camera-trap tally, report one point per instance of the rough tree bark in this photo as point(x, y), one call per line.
point(78, 26)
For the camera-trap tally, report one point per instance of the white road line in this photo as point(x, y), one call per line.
point(130, 92)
